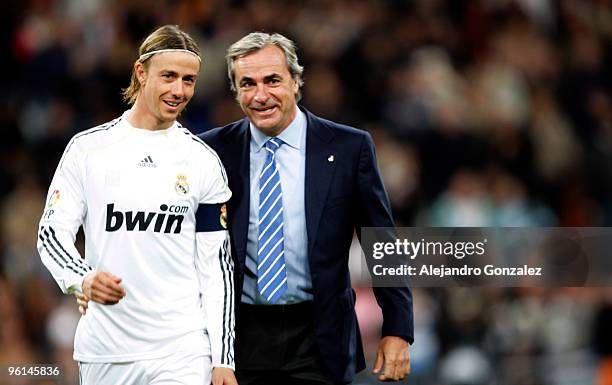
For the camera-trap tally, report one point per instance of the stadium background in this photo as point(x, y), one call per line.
point(484, 113)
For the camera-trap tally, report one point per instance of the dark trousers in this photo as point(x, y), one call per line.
point(275, 344)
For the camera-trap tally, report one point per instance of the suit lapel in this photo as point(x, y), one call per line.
point(237, 161)
point(320, 166)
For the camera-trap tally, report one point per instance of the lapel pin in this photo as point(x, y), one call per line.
point(330, 158)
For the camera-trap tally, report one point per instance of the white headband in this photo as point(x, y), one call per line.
point(147, 55)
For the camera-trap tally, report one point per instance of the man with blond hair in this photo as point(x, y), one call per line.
point(157, 268)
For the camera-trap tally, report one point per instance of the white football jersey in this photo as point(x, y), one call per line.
point(151, 206)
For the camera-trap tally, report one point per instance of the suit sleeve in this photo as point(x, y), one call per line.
point(215, 268)
point(395, 302)
point(64, 212)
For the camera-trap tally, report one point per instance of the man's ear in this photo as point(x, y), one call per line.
point(296, 87)
point(141, 73)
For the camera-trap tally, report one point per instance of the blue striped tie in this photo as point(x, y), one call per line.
point(271, 271)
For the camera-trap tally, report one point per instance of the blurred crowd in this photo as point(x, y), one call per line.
point(484, 113)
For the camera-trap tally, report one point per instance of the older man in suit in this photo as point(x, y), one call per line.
point(301, 185)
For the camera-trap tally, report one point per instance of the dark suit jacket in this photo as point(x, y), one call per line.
point(341, 193)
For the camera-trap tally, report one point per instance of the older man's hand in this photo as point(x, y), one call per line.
point(394, 355)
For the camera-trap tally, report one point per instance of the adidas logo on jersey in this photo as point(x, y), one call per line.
point(147, 162)
point(171, 215)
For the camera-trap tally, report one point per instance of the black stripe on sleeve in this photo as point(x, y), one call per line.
point(231, 336)
point(224, 275)
point(44, 244)
point(55, 253)
point(68, 258)
point(81, 263)
point(227, 339)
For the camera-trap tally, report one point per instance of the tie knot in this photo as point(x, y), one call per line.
point(273, 144)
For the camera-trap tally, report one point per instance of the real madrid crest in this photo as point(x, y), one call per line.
point(223, 216)
point(181, 186)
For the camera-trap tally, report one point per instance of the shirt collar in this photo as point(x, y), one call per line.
point(290, 135)
point(143, 131)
